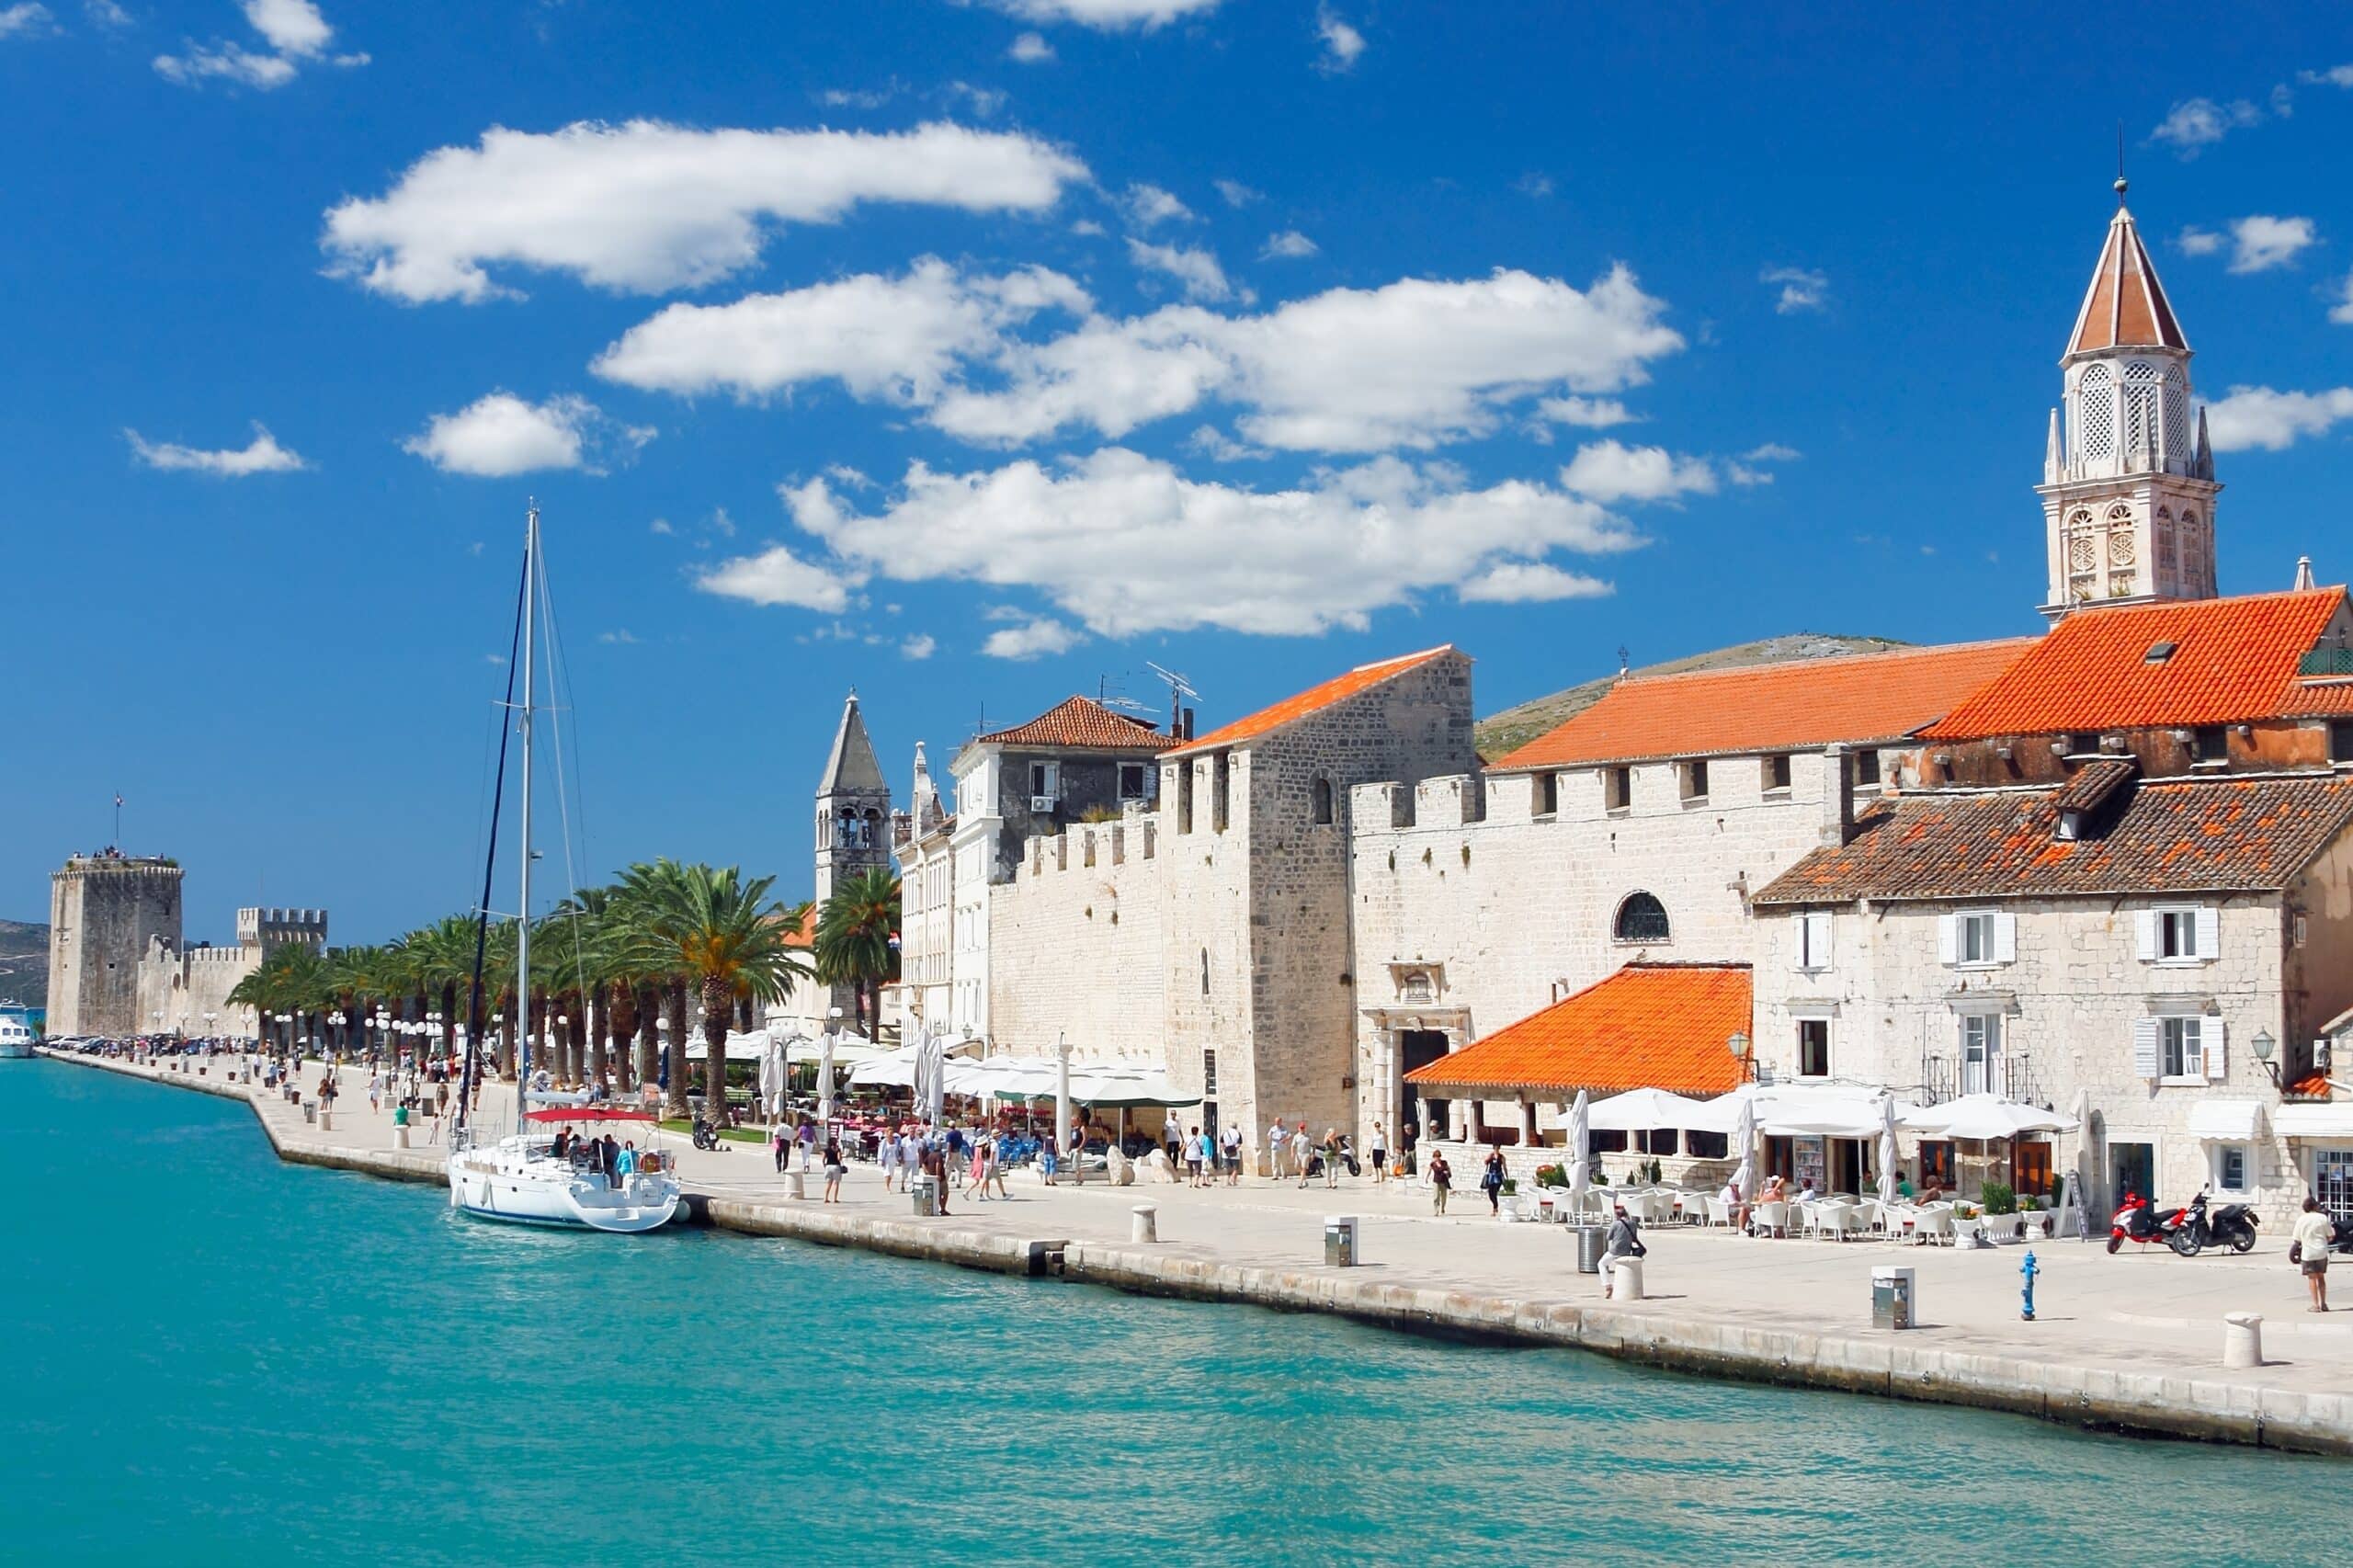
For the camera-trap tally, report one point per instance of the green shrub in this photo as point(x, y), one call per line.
point(1999, 1198)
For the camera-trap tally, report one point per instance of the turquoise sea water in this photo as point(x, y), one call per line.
point(209, 1357)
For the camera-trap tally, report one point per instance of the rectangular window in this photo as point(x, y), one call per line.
point(1135, 781)
point(1221, 782)
point(1695, 780)
point(1776, 775)
point(1185, 795)
point(1548, 794)
point(2213, 744)
point(1813, 1048)
point(1045, 780)
point(1608, 1142)
point(2232, 1168)
point(1936, 1164)
point(2332, 1181)
point(1974, 937)
point(1708, 1145)
point(1867, 767)
point(2030, 1168)
point(1813, 940)
point(1981, 1053)
point(2340, 740)
point(1659, 1141)
point(2181, 1048)
point(1617, 788)
point(1209, 1073)
point(2080, 744)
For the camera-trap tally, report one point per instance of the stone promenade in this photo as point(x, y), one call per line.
point(2133, 1341)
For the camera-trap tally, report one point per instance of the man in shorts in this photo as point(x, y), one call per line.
point(2312, 1235)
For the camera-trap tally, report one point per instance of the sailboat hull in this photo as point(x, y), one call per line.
point(520, 1189)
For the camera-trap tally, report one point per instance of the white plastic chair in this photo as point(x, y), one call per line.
point(1838, 1221)
point(1933, 1224)
point(1770, 1217)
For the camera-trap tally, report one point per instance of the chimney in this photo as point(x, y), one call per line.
point(1838, 797)
point(1189, 724)
point(2303, 571)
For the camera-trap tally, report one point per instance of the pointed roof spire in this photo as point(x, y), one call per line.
point(2126, 306)
point(852, 768)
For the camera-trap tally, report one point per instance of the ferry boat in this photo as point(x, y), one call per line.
point(519, 1178)
point(17, 1035)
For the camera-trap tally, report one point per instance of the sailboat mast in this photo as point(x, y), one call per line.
point(523, 922)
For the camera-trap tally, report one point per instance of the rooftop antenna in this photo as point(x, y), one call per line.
point(1180, 688)
point(1623, 658)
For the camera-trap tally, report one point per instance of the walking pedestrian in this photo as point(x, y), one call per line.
point(1491, 1182)
point(886, 1154)
point(1441, 1179)
point(1303, 1153)
point(1379, 1149)
point(1230, 1145)
point(2308, 1244)
point(1049, 1158)
point(776, 1145)
point(1331, 1156)
point(832, 1172)
point(1276, 1139)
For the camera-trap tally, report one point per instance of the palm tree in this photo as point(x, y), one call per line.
point(854, 932)
point(719, 931)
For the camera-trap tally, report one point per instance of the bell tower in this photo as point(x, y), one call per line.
point(853, 807)
point(2128, 478)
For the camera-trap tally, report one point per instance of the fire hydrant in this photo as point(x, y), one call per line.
point(2028, 1270)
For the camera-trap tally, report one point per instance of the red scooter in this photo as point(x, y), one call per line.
point(2139, 1223)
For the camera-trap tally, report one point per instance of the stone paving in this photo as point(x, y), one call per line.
point(2132, 1314)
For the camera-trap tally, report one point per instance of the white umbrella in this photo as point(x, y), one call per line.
point(1062, 1096)
point(1641, 1110)
point(2083, 1163)
point(825, 1084)
point(1580, 1151)
point(893, 1070)
point(931, 1086)
point(1887, 1154)
point(1743, 1137)
point(1983, 1117)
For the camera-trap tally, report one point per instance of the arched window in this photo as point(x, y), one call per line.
point(2176, 414)
point(1641, 918)
point(2095, 416)
point(1323, 793)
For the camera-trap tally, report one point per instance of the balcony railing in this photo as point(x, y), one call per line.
point(2326, 662)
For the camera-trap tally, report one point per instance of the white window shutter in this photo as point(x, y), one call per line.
point(2210, 1033)
point(1949, 940)
point(2210, 934)
point(2144, 1048)
point(2006, 938)
point(2147, 921)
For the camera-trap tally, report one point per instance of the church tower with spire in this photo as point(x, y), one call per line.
point(853, 807)
point(2128, 478)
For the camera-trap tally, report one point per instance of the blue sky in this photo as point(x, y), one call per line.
point(977, 354)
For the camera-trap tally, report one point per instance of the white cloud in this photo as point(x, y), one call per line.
point(1236, 194)
point(1218, 446)
point(106, 14)
point(1122, 543)
point(261, 455)
point(26, 20)
point(1802, 289)
point(1289, 245)
point(1534, 184)
point(2260, 244)
point(1192, 267)
point(1030, 49)
point(1748, 468)
point(859, 97)
point(1088, 228)
point(660, 526)
point(1610, 470)
point(623, 638)
point(647, 207)
point(2197, 124)
point(1106, 16)
point(1416, 363)
point(500, 434)
point(1342, 43)
point(2334, 76)
point(1032, 640)
point(777, 576)
point(897, 339)
point(1146, 205)
point(1592, 413)
point(1771, 452)
point(1529, 581)
point(984, 102)
point(294, 31)
point(2341, 313)
point(2195, 241)
point(2258, 416)
point(922, 645)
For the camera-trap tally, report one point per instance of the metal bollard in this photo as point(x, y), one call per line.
point(2242, 1339)
point(1144, 1223)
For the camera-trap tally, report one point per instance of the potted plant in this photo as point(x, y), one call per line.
point(1999, 1198)
point(1511, 1185)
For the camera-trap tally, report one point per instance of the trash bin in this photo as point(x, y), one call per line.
point(1591, 1241)
point(1340, 1241)
point(1894, 1305)
point(926, 1192)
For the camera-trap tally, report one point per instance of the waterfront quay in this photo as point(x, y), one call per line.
point(2132, 1342)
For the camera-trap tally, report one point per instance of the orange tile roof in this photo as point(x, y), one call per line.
point(2234, 659)
point(805, 934)
point(1650, 1026)
point(1313, 700)
point(2125, 306)
point(1799, 703)
point(1082, 723)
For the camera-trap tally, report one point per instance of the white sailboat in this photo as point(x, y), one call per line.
point(521, 1178)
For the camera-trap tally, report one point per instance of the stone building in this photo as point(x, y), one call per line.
point(103, 911)
point(920, 839)
point(2168, 949)
point(184, 990)
point(853, 835)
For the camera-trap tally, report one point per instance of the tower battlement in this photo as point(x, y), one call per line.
point(273, 927)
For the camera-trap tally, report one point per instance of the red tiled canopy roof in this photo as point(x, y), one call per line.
point(1081, 724)
point(1313, 700)
point(1650, 1026)
point(2232, 659)
point(2217, 834)
point(1778, 707)
point(2126, 306)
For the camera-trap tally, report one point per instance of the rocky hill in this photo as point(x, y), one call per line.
point(24, 963)
point(1515, 727)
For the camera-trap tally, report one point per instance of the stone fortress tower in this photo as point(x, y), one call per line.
point(103, 911)
point(2128, 490)
point(185, 990)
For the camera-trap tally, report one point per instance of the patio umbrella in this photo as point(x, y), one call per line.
point(1983, 1118)
point(2083, 1163)
point(1887, 1154)
point(931, 1087)
point(1580, 1151)
point(1743, 1137)
point(1061, 1092)
point(1644, 1111)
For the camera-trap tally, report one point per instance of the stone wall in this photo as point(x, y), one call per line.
point(1076, 945)
point(186, 984)
point(102, 913)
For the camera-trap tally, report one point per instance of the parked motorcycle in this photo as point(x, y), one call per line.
point(2341, 1238)
point(707, 1137)
point(2140, 1223)
point(2233, 1226)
